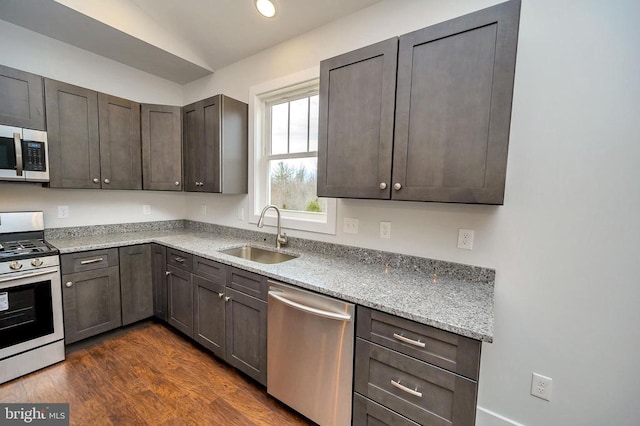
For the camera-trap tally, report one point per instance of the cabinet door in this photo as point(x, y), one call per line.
point(180, 296)
point(120, 150)
point(161, 129)
point(369, 413)
point(246, 334)
point(136, 286)
point(233, 146)
point(453, 108)
point(210, 155)
point(72, 127)
point(209, 320)
point(159, 277)
point(191, 136)
point(21, 99)
point(355, 135)
point(91, 303)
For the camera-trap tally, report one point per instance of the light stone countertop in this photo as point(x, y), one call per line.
point(462, 307)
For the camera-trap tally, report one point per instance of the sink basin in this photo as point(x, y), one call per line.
point(257, 254)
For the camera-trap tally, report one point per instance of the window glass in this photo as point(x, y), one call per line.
point(279, 128)
point(293, 185)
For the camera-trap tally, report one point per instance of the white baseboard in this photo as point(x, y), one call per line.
point(486, 417)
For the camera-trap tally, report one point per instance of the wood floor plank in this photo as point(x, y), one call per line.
point(151, 375)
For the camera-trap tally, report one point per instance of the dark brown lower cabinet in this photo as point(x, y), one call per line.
point(208, 315)
point(246, 338)
point(91, 298)
point(159, 277)
point(136, 285)
point(180, 300)
point(393, 385)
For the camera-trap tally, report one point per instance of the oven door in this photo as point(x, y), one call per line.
point(11, 154)
point(30, 310)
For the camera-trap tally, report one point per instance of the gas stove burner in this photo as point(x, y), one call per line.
point(24, 249)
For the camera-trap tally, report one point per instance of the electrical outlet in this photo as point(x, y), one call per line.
point(146, 209)
point(465, 239)
point(350, 225)
point(63, 212)
point(541, 386)
point(203, 209)
point(385, 230)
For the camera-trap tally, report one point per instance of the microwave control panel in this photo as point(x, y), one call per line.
point(33, 156)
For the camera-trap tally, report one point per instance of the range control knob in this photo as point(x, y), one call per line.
point(15, 265)
point(37, 262)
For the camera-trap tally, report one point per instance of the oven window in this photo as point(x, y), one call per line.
point(7, 154)
point(26, 313)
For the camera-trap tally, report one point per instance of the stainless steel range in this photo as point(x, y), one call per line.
point(31, 330)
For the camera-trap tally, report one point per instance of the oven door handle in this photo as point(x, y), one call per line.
point(29, 275)
point(18, 143)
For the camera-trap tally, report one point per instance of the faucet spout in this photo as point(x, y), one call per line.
point(281, 237)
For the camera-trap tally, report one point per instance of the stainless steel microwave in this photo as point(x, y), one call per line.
point(23, 155)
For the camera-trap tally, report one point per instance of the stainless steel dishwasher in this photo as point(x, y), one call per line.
point(310, 353)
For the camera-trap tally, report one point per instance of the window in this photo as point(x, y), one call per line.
point(285, 150)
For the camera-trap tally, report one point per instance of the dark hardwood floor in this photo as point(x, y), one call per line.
point(150, 375)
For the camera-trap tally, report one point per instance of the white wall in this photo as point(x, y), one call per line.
point(564, 244)
point(29, 51)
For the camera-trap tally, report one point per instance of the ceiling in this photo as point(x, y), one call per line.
point(177, 40)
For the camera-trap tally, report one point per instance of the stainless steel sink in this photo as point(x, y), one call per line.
point(257, 254)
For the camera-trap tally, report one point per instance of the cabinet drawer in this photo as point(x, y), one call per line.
point(369, 413)
point(422, 392)
point(209, 269)
point(447, 350)
point(88, 260)
point(247, 282)
point(180, 259)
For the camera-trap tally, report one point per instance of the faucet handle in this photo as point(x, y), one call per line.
point(281, 239)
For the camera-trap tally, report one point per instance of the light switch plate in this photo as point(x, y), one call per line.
point(63, 212)
point(350, 225)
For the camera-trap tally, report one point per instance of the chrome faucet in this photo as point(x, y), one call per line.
point(281, 238)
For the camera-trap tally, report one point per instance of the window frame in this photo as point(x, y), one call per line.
point(291, 87)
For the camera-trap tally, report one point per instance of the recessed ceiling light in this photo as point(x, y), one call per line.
point(266, 8)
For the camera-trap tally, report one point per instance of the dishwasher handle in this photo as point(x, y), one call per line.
point(319, 312)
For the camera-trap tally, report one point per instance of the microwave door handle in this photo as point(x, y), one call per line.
point(18, 143)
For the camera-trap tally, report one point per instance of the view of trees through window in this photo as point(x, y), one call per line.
point(292, 161)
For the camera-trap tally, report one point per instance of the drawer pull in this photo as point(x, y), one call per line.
point(405, 389)
point(87, 262)
point(179, 259)
point(417, 343)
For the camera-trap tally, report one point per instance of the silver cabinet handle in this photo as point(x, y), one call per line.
point(18, 144)
point(397, 186)
point(417, 343)
point(406, 389)
point(220, 295)
point(96, 180)
point(87, 262)
point(309, 309)
point(68, 284)
point(179, 259)
point(107, 181)
point(226, 299)
point(383, 185)
point(167, 273)
point(177, 183)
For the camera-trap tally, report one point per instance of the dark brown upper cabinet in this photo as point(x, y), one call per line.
point(216, 146)
point(120, 149)
point(21, 99)
point(452, 105)
point(73, 136)
point(161, 131)
point(355, 134)
point(94, 138)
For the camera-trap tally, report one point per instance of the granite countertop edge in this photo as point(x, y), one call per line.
point(464, 308)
